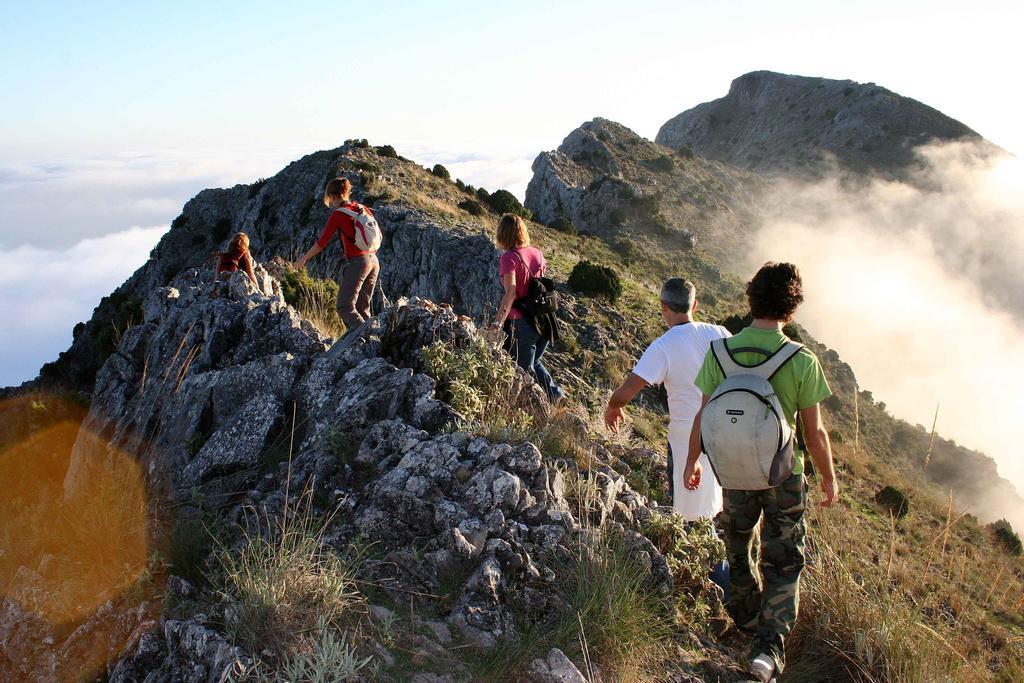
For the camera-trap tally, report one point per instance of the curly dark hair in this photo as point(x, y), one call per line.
point(775, 291)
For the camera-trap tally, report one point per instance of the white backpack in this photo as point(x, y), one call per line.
point(367, 233)
point(743, 429)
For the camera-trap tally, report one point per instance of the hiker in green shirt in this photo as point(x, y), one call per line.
point(768, 612)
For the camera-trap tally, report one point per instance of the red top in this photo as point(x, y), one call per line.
point(231, 262)
point(527, 263)
point(343, 224)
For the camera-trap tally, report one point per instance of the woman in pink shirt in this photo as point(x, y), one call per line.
point(517, 266)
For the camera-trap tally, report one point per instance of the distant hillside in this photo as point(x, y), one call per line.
point(776, 123)
point(611, 182)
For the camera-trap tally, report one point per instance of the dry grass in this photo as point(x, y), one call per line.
point(927, 597)
point(284, 590)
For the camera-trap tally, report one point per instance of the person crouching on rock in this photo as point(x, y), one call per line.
point(359, 274)
point(517, 266)
point(236, 257)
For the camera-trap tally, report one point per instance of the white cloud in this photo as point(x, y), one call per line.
point(490, 165)
point(917, 287)
point(44, 292)
point(54, 203)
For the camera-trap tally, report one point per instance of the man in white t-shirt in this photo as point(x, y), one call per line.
point(674, 359)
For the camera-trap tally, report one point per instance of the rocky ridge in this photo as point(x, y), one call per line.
point(774, 123)
point(199, 390)
point(431, 249)
point(613, 183)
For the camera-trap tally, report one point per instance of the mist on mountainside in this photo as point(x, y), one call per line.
point(917, 286)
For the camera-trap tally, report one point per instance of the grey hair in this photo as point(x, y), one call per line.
point(678, 294)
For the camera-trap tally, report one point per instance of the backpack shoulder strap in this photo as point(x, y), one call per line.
point(347, 212)
point(526, 267)
point(771, 366)
point(724, 358)
point(765, 369)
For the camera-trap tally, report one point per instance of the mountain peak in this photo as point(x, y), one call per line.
point(780, 123)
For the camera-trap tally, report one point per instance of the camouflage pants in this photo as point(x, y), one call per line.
point(768, 607)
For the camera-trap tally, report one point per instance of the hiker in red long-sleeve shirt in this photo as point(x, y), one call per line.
point(359, 235)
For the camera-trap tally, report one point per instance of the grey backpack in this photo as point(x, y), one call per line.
point(743, 429)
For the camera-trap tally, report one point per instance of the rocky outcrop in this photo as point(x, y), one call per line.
point(776, 123)
point(200, 392)
point(613, 183)
point(423, 253)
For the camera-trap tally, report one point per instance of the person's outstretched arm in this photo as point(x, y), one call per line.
point(313, 251)
point(821, 452)
point(630, 387)
point(333, 225)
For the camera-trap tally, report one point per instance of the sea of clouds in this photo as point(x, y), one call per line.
point(918, 285)
point(69, 230)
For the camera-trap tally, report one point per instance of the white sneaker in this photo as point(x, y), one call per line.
point(763, 668)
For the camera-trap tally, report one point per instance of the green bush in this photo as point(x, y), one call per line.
point(472, 208)
point(255, 188)
point(893, 500)
point(357, 143)
point(504, 202)
point(626, 248)
point(595, 280)
point(691, 549)
point(617, 216)
point(315, 299)
point(1006, 537)
point(441, 172)
point(477, 381)
point(563, 224)
point(662, 164)
point(483, 195)
point(386, 151)
point(685, 152)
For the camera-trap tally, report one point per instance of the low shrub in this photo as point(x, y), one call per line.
point(563, 224)
point(504, 201)
point(685, 152)
point(482, 194)
point(357, 143)
point(255, 188)
point(662, 164)
point(315, 299)
point(893, 500)
point(473, 208)
point(692, 549)
point(386, 151)
point(626, 248)
point(479, 382)
point(1006, 537)
point(441, 172)
point(592, 279)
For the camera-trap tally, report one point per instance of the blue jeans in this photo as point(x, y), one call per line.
point(527, 347)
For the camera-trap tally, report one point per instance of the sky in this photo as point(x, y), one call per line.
point(113, 114)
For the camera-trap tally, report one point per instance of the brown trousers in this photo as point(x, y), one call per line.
point(358, 279)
